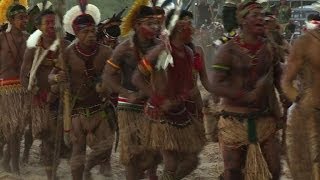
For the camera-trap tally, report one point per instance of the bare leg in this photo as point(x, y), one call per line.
point(271, 149)
point(188, 164)
point(105, 167)
point(170, 161)
point(28, 140)
point(15, 152)
point(78, 150)
point(233, 160)
point(47, 153)
point(6, 159)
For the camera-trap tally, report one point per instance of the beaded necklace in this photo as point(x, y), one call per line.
point(78, 49)
point(250, 50)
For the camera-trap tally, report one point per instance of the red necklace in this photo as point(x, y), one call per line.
point(250, 50)
point(78, 49)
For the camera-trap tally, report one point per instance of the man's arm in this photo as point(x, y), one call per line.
point(294, 64)
point(26, 66)
point(220, 75)
point(111, 74)
point(203, 72)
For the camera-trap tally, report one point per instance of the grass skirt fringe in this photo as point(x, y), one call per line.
point(41, 117)
point(234, 134)
point(14, 109)
point(303, 142)
point(130, 124)
point(163, 136)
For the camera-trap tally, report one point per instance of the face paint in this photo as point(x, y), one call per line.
point(149, 28)
point(254, 22)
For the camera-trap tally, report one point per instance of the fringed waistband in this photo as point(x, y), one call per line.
point(179, 118)
point(9, 86)
point(87, 111)
point(125, 105)
point(245, 116)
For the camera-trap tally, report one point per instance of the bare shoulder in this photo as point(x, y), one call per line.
point(123, 49)
point(105, 50)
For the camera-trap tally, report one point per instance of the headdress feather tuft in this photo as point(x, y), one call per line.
point(129, 19)
point(5, 4)
point(76, 11)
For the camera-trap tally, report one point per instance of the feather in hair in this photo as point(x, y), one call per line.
point(128, 20)
point(76, 11)
point(166, 3)
point(83, 5)
point(5, 4)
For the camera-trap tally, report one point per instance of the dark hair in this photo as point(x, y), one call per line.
point(15, 9)
point(43, 13)
point(315, 17)
point(183, 13)
point(229, 18)
point(145, 11)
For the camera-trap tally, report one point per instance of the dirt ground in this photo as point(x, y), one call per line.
point(209, 169)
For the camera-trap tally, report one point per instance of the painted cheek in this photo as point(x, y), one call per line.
point(147, 32)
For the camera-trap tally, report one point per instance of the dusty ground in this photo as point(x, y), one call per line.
point(209, 169)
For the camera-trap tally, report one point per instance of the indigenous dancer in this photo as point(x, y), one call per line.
point(13, 97)
point(146, 22)
point(33, 13)
point(39, 59)
point(172, 130)
point(301, 87)
point(85, 60)
point(244, 74)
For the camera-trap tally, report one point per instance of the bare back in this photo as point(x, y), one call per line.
point(11, 54)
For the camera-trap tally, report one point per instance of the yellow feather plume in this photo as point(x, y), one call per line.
point(128, 20)
point(5, 4)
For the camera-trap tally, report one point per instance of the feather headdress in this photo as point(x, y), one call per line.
point(75, 11)
point(128, 20)
point(316, 6)
point(4, 6)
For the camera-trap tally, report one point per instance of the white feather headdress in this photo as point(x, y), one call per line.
point(75, 11)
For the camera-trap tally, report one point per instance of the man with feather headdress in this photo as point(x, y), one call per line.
point(244, 75)
point(85, 59)
point(175, 129)
point(300, 84)
point(146, 22)
point(13, 97)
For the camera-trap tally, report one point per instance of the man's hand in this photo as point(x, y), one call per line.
point(60, 77)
